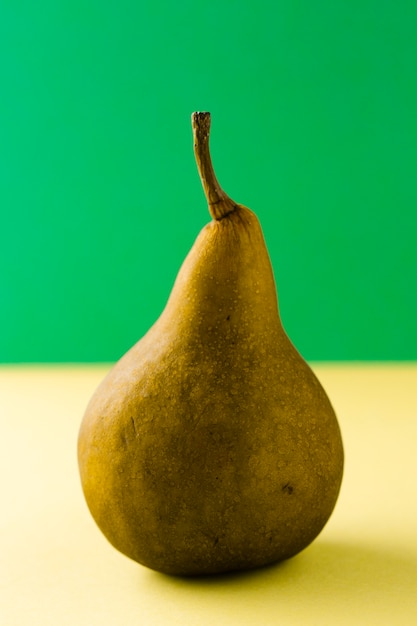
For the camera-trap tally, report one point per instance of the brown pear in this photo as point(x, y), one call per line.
point(211, 446)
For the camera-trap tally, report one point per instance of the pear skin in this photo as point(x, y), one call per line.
point(211, 446)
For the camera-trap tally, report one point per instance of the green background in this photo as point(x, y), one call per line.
point(314, 126)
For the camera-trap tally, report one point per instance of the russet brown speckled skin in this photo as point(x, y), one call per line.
point(211, 446)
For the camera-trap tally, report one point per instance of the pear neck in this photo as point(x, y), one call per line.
point(219, 203)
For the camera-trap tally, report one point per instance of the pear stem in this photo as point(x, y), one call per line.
point(220, 204)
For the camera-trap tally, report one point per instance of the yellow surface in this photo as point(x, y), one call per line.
point(56, 568)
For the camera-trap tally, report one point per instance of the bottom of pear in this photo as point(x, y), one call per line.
point(226, 571)
point(212, 555)
point(223, 570)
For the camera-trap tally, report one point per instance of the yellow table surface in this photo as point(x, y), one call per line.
point(56, 568)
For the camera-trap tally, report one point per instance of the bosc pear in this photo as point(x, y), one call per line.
point(211, 446)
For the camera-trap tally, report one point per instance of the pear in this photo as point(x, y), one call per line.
point(211, 446)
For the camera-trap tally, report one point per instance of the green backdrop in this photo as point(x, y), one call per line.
point(314, 126)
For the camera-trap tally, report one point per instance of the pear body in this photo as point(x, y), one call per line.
point(211, 446)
